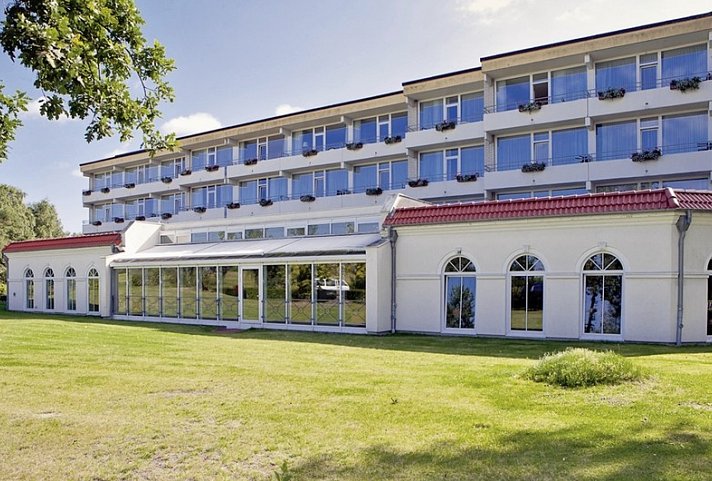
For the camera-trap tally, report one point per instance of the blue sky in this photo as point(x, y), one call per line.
point(240, 60)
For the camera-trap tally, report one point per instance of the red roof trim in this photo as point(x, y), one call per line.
point(588, 204)
point(97, 240)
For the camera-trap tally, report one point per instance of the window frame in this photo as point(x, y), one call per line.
point(527, 273)
point(603, 272)
point(461, 273)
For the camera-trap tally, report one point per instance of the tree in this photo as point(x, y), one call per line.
point(84, 54)
point(47, 223)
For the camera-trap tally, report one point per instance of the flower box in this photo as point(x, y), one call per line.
point(86, 192)
point(212, 168)
point(685, 84)
point(309, 153)
point(166, 179)
point(140, 217)
point(374, 191)
point(445, 125)
point(343, 192)
point(166, 215)
point(265, 202)
point(118, 220)
point(354, 145)
point(233, 205)
point(130, 185)
point(646, 155)
point(105, 190)
point(533, 167)
point(96, 223)
point(307, 198)
point(611, 93)
point(199, 210)
point(466, 177)
point(250, 161)
point(584, 158)
point(530, 107)
point(418, 183)
point(392, 139)
point(186, 172)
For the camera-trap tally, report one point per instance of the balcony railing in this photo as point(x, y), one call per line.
point(434, 125)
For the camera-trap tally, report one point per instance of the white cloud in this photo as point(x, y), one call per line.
point(485, 11)
point(191, 124)
point(284, 109)
point(33, 111)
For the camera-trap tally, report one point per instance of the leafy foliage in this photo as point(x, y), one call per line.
point(85, 55)
point(578, 367)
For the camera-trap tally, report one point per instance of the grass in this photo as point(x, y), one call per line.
point(85, 399)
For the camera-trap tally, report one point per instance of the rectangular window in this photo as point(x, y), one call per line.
point(472, 107)
point(616, 74)
point(648, 71)
point(337, 180)
point(685, 133)
point(274, 232)
point(569, 146)
point(568, 84)
point(364, 177)
point(365, 131)
point(335, 136)
point(231, 236)
point(249, 150)
point(295, 231)
point(451, 161)
point(431, 166)
point(472, 160)
point(117, 179)
point(302, 184)
point(216, 236)
point(399, 174)
point(224, 156)
point(452, 109)
point(319, 229)
point(188, 293)
point(684, 62)
point(277, 188)
point(540, 87)
point(649, 134)
point(199, 159)
point(196, 237)
point(340, 228)
point(399, 124)
point(431, 113)
point(541, 147)
point(616, 140)
point(368, 227)
point(248, 192)
point(275, 146)
point(512, 92)
point(513, 152)
point(275, 293)
point(257, 233)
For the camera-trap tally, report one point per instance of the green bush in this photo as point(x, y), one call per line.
point(578, 367)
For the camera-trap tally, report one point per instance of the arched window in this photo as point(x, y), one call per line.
point(709, 298)
point(29, 289)
point(49, 288)
point(93, 290)
point(603, 294)
point(71, 283)
point(460, 289)
point(526, 306)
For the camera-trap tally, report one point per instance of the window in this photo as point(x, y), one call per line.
point(431, 166)
point(211, 196)
point(253, 191)
point(319, 138)
point(93, 290)
point(512, 92)
point(173, 168)
point(431, 113)
point(446, 165)
point(616, 74)
point(569, 146)
point(340, 228)
point(649, 133)
point(472, 107)
point(456, 108)
point(365, 131)
point(709, 298)
point(542, 193)
point(296, 231)
point(460, 293)
point(684, 62)
point(71, 284)
point(172, 203)
point(526, 306)
point(540, 147)
point(49, 289)
point(568, 84)
point(616, 140)
point(603, 294)
point(513, 152)
point(368, 227)
point(684, 133)
point(386, 175)
point(337, 180)
point(29, 289)
point(540, 87)
point(648, 71)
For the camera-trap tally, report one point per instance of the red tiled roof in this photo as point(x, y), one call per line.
point(95, 240)
point(588, 204)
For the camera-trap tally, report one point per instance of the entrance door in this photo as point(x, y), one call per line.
point(250, 305)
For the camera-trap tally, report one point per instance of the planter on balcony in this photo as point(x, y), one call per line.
point(250, 161)
point(307, 198)
point(611, 93)
point(96, 223)
point(233, 205)
point(374, 191)
point(685, 84)
point(140, 217)
point(530, 107)
point(466, 177)
point(166, 215)
point(354, 145)
point(166, 180)
point(265, 202)
point(199, 210)
point(533, 167)
point(212, 168)
point(130, 185)
point(584, 158)
point(445, 125)
point(418, 183)
point(309, 153)
point(105, 190)
point(186, 172)
point(646, 155)
point(118, 220)
point(343, 192)
point(393, 139)
point(86, 192)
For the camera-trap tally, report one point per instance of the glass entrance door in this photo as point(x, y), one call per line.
point(250, 302)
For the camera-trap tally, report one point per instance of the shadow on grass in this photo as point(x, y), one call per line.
point(434, 344)
point(564, 454)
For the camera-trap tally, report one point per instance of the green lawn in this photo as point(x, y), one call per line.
point(97, 400)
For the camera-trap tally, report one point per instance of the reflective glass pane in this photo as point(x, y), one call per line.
point(121, 292)
point(151, 288)
point(187, 291)
point(354, 289)
point(593, 304)
point(300, 292)
point(208, 292)
point(612, 305)
point(328, 289)
point(250, 295)
point(135, 292)
point(275, 293)
point(169, 291)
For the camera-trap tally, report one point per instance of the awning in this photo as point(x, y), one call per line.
point(253, 249)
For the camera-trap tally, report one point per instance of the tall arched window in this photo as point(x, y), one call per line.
point(460, 289)
point(603, 294)
point(29, 289)
point(526, 306)
point(93, 290)
point(49, 288)
point(71, 283)
point(709, 298)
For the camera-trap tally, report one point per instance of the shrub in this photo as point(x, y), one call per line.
point(578, 367)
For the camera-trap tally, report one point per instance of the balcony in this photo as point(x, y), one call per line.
point(465, 184)
point(543, 112)
point(432, 137)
